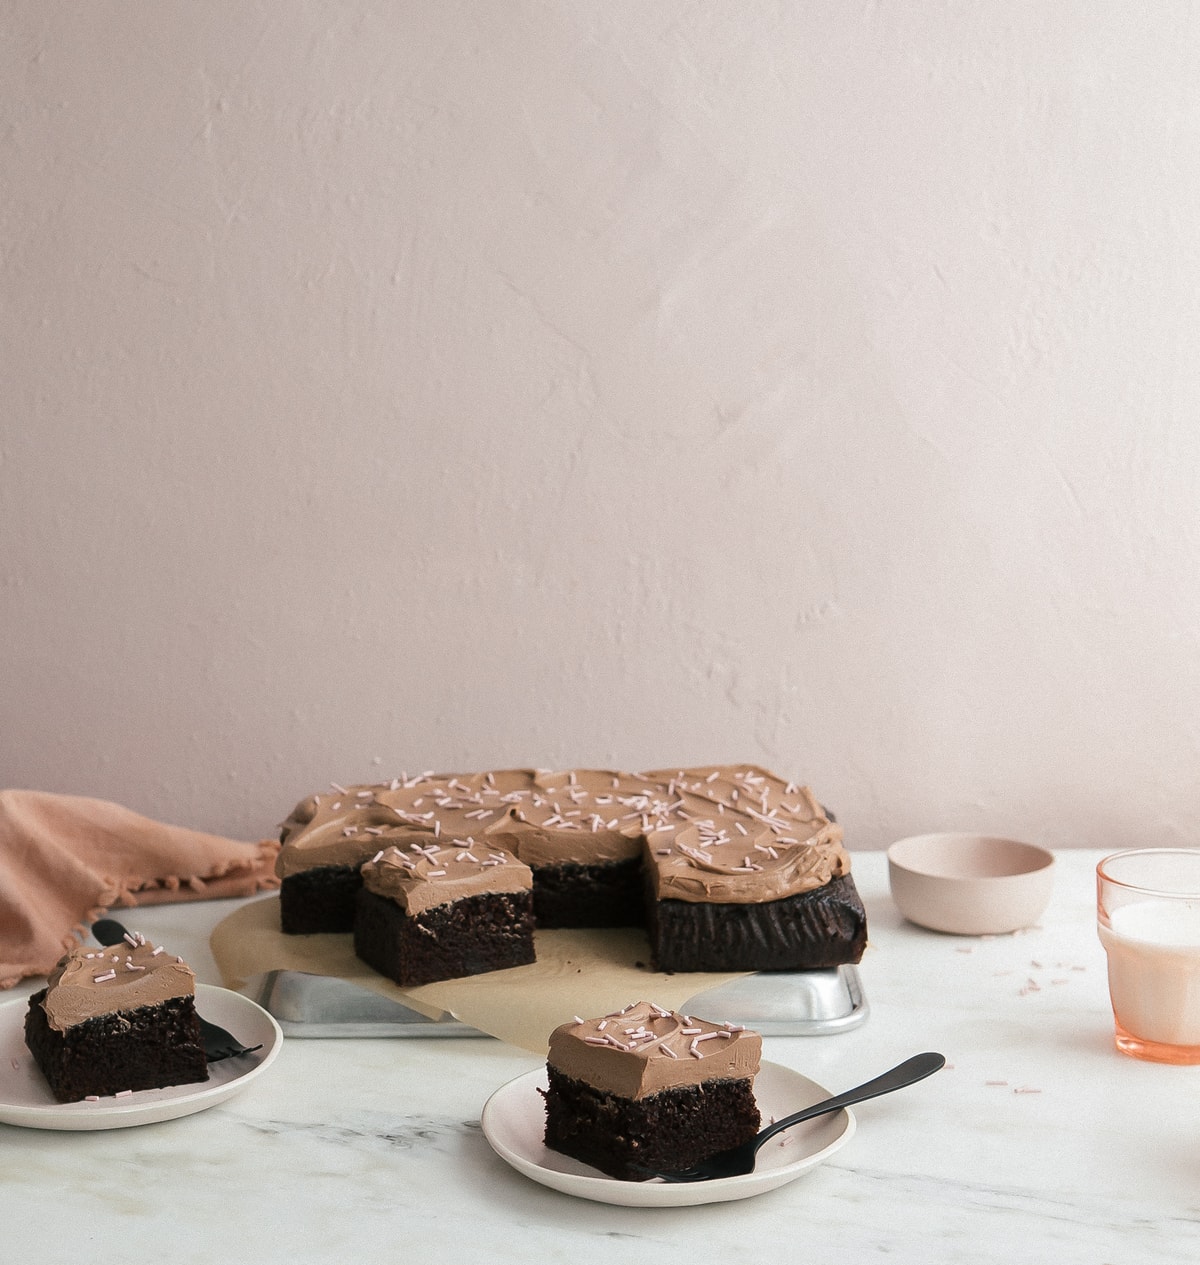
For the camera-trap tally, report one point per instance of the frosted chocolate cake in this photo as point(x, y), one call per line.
point(438, 910)
point(114, 1020)
point(648, 1088)
point(662, 849)
point(729, 897)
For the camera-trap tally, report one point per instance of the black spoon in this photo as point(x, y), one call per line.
point(218, 1044)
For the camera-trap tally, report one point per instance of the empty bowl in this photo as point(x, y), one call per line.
point(970, 885)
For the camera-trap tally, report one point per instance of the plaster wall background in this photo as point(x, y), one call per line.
point(395, 386)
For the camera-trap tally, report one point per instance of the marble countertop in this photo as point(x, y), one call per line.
point(1037, 1142)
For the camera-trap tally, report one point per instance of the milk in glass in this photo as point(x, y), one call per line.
point(1153, 949)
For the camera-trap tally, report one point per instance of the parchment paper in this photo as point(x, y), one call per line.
point(586, 973)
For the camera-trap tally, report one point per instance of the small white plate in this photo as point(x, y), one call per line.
point(25, 1098)
point(514, 1122)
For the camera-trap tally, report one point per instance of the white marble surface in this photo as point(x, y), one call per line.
point(1039, 1142)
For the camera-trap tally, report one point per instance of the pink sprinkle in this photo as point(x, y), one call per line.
point(100, 979)
point(122, 1093)
point(92, 1098)
point(157, 951)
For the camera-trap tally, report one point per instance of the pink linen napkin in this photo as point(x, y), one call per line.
point(65, 859)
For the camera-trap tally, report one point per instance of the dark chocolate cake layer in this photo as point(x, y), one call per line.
point(606, 894)
point(812, 930)
point(670, 1130)
point(147, 1048)
point(319, 900)
point(488, 932)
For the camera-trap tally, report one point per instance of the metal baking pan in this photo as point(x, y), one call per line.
point(776, 1003)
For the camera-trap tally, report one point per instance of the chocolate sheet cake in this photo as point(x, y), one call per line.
point(648, 1088)
point(114, 1020)
point(729, 867)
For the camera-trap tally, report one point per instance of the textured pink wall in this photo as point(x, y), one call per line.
point(414, 385)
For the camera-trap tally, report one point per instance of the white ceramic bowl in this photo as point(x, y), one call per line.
point(970, 885)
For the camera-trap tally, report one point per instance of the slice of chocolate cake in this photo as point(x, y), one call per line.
point(587, 878)
point(441, 910)
point(774, 895)
point(648, 1088)
point(114, 1020)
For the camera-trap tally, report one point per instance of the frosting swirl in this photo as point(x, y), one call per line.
point(429, 873)
point(87, 983)
point(705, 863)
point(645, 1048)
point(585, 816)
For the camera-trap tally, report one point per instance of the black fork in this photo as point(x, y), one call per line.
point(739, 1160)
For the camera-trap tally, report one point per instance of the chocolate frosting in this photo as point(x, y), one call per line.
point(86, 983)
point(645, 1048)
point(681, 819)
point(434, 872)
point(712, 864)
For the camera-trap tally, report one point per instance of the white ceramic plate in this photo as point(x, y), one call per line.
point(25, 1098)
point(514, 1122)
